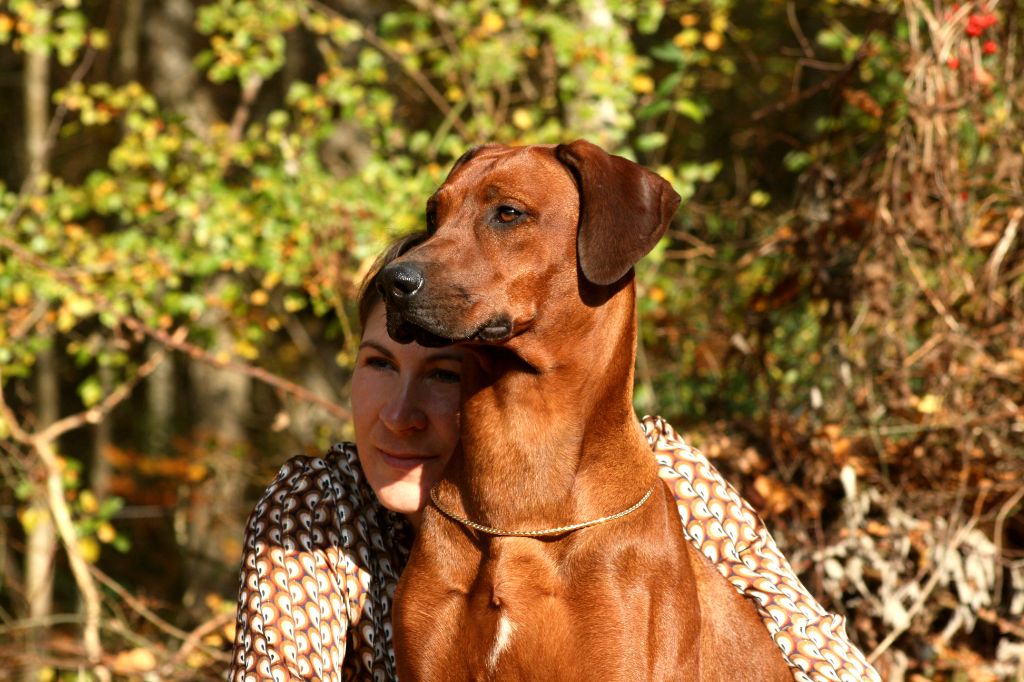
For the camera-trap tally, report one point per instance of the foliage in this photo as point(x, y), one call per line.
point(836, 314)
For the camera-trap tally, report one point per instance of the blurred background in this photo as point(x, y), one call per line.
point(190, 192)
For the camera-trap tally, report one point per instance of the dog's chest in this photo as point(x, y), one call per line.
point(519, 588)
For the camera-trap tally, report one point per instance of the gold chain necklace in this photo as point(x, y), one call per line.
point(535, 533)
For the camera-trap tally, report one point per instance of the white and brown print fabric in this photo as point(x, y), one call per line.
point(322, 559)
point(727, 530)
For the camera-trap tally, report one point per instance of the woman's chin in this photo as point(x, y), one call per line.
point(404, 496)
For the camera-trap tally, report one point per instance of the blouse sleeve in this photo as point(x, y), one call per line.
point(295, 599)
point(727, 530)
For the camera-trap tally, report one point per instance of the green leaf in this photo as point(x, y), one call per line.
point(796, 160)
point(651, 141)
point(690, 109)
point(90, 391)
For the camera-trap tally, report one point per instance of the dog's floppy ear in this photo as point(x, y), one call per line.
point(624, 210)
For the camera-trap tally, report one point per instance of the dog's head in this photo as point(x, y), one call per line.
point(518, 230)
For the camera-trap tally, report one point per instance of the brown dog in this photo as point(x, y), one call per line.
point(530, 264)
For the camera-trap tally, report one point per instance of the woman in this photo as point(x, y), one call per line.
point(325, 546)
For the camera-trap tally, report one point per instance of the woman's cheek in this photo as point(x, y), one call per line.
point(448, 401)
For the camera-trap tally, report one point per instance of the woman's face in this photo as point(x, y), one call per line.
point(405, 405)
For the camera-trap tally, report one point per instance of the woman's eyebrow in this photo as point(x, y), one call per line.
point(446, 355)
point(380, 348)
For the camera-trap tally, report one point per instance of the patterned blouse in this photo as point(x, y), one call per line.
point(322, 559)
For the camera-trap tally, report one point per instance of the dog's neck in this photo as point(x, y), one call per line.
point(527, 463)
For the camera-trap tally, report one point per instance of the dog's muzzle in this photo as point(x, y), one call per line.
point(411, 318)
point(399, 285)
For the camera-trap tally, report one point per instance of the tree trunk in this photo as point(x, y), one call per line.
point(591, 115)
point(41, 540)
point(128, 42)
point(174, 79)
point(213, 519)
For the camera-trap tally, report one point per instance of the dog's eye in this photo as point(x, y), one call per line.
point(507, 214)
point(431, 218)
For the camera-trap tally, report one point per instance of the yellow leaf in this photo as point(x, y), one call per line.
point(687, 38)
point(929, 404)
point(22, 293)
point(89, 548)
point(246, 349)
point(88, 501)
point(106, 533)
point(31, 518)
point(214, 639)
point(196, 472)
point(271, 279)
point(196, 660)
point(259, 297)
point(522, 119)
point(643, 83)
point(713, 40)
point(492, 23)
point(134, 662)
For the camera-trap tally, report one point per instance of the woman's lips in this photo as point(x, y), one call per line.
point(404, 460)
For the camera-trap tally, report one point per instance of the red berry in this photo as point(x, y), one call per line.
point(953, 63)
point(974, 27)
point(990, 47)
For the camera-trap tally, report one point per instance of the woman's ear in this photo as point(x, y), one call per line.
point(624, 210)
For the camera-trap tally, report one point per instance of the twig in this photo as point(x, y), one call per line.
point(195, 639)
point(146, 613)
point(794, 23)
point(417, 77)
point(95, 414)
point(997, 534)
point(824, 85)
point(250, 91)
point(932, 297)
point(938, 574)
point(66, 529)
point(90, 595)
point(999, 253)
point(169, 340)
point(964, 422)
point(47, 621)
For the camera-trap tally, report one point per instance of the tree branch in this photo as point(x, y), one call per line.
point(170, 341)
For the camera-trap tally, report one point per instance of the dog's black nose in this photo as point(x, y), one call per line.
point(399, 282)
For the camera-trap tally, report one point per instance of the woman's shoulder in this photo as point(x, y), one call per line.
point(312, 491)
point(722, 526)
point(310, 553)
point(339, 460)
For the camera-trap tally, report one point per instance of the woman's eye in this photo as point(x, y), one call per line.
point(447, 376)
point(378, 363)
point(507, 214)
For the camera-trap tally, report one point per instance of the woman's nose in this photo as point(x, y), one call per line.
point(402, 411)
